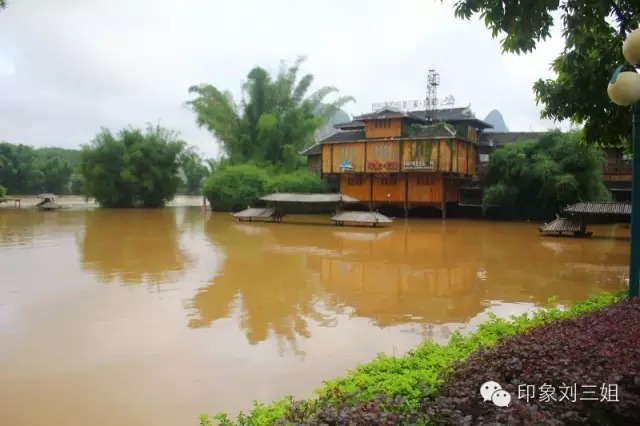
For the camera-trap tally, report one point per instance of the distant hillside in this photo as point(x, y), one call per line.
point(339, 117)
point(495, 119)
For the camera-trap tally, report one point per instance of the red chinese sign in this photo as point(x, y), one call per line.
point(383, 165)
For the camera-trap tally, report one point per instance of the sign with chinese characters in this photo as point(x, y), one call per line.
point(401, 105)
point(382, 165)
point(548, 393)
point(606, 392)
point(417, 165)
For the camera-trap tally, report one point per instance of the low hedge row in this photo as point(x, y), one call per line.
point(411, 389)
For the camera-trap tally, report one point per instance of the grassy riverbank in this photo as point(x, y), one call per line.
point(391, 390)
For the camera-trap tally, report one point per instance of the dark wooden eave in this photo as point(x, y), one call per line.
point(351, 125)
point(315, 149)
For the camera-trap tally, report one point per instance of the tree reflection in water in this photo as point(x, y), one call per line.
point(274, 290)
point(133, 246)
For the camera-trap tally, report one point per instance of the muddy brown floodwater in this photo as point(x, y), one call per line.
point(139, 317)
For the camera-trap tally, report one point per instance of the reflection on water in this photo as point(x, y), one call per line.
point(134, 246)
point(429, 272)
point(249, 311)
point(275, 293)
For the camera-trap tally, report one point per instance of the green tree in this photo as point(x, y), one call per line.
point(274, 121)
point(3, 191)
point(194, 170)
point(235, 187)
point(56, 175)
point(3, 4)
point(132, 168)
point(25, 170)
point(298, 181)
point(535, 179)
point(593, 49)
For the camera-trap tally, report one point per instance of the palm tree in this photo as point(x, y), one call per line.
point(275, 119)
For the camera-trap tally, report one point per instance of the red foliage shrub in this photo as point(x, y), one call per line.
point(598, 348)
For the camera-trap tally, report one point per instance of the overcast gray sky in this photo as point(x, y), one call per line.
point(69, 67)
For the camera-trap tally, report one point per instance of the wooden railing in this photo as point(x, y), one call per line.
point(623, 167)
point(481, 169)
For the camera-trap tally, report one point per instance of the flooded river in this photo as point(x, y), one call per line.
point(139, 317)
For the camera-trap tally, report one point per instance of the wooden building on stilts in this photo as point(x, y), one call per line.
point(403, 158)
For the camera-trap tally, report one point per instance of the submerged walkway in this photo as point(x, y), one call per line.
point(275, 212)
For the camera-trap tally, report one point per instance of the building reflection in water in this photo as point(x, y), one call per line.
point(274, 291)
point(133, 246)
point(282, 277)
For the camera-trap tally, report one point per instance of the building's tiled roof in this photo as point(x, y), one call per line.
point(346, 136)
point(350, 125)
point(418, 116)
point(432, 131)
point(611, 208)
point(437, 130)
point(503, 138)
point(445, 114)
point(561, 224)
point(450, 115)
point(314, 149)
point(382, 114)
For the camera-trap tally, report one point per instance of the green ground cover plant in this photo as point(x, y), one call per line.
point(399, 390)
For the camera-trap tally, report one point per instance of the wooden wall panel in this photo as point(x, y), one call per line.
point(452, 190)
point(351, 152)
point(389, 189)
point(350, 186)
point(472, 134)
point(455, 164)
point(326, 159)
point(473, 159)
point(383, 157)
point(394, 129)
point(420, 155)
point(463, 148)
point(425, 188)
point(444, 159)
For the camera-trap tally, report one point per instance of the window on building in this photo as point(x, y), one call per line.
point(389, 180)
point(355, 180)
point(484, 158)
point(383, 150)
point(423, 180)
